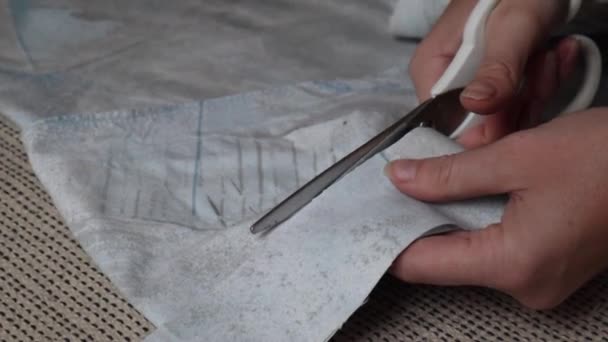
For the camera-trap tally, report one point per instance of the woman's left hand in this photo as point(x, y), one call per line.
point(553, 236)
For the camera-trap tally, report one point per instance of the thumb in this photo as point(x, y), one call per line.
point(460, 258)
point(514, 30)
point(488, 170)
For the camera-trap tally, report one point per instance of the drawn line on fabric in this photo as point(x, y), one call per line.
point(383, 155)
point(170, 194)
point(275, 177)
point(106, 185)
point(236, 187)
point(197, 159)
point(315, 167)
point(101, 58)
point(334, 158)
point(137, 199)
point(217, 210)
point(258, 149)
point(243, 208)
point(295, 164)
point(18, 10)
point(166, 185)
point(223, 184)
point(239, 149)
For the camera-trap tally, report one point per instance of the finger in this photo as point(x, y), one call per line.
point(568, 51)
point(492, 169)
point(513, 32)
point(492, 128)
point(543, 82)
point(435, 53)
point(460, 258)
point(545, 73)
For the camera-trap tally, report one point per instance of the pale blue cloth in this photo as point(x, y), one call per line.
point(162, 200)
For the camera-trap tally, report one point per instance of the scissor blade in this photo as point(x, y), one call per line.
point(444, 113)
point(313, 188)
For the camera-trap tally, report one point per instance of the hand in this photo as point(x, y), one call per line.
point(553, 236)
point(515, 31)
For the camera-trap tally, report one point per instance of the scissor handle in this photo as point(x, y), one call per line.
point(468, 58)
point(593, 74)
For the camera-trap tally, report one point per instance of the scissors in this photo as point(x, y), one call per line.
point(443, 112)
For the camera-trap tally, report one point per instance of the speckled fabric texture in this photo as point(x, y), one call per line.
point(162, 199)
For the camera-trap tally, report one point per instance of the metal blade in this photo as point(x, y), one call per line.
point(305, 194)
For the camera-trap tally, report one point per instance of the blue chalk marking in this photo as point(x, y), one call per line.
point(336, 87)
point(19, 11)
point(197, 160)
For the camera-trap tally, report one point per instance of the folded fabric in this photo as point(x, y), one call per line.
point(76, 56)
point(415, 18)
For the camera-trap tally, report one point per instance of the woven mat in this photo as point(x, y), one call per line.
point(50, 290)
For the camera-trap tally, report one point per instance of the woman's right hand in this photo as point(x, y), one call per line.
point(515, 31)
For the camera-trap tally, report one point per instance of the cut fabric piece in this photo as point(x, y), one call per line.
point(162, 199)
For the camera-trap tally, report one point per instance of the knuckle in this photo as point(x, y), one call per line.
point(505, 66)
point(532, 287)
point(502, 72)
point(443, 171)
point(531, 17)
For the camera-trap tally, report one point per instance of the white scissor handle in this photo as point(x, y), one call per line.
point(467, 61)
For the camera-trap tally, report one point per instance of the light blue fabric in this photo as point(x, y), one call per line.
point(77, 56)
point(162, 200)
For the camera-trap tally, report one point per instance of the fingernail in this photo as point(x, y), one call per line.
point(479, 90)
point(401, 171)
